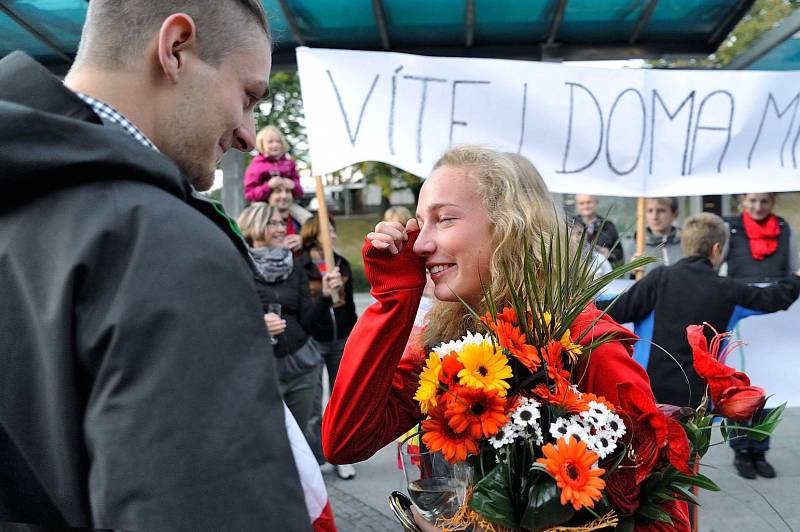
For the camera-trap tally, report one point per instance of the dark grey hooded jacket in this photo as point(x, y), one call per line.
point(137, 385)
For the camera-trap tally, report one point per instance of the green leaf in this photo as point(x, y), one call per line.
point(654, 512)
point(492, 497)
point(723, 429)
point(544, 508)
point(685, 496)
point(699, 480)
point(767, 425)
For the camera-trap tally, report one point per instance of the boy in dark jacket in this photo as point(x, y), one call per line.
point(690, 292)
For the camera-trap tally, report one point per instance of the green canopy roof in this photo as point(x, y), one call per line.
point(533, 29)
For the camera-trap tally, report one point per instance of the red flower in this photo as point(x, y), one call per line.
point(450, 368)
point(654, 434)
point(739, 403)
point(555, 365)
point(623, 491)
point(478, 412)
point(709, 363)
point(731, 393)
point(514, 341)
point(563, 395)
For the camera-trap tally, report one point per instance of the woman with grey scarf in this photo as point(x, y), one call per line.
point(283, 281)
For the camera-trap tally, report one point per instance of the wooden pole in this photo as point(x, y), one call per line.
point(325, 233)
point(640, 232)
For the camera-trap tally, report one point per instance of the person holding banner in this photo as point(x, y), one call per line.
point(688, 292)
point(762, 250)
point(342, 317)
point(476, 211)
point(283, 281)
point(607, 243)
point(663, 238)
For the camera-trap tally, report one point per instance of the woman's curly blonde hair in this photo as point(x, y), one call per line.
point(521, 211)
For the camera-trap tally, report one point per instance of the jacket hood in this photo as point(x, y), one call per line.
point(49, 138)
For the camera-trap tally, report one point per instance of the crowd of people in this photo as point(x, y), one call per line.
point(163, 364)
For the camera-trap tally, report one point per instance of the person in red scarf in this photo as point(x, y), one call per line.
point(475, 211)
point(762, 250)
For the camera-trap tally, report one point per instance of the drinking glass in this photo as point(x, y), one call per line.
point(274, 308)
point(436, 487)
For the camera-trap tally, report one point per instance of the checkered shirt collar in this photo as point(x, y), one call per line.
point(105, 111)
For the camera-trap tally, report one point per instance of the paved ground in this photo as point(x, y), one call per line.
point(360, 504)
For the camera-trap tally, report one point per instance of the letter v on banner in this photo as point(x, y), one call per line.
point(350, 134)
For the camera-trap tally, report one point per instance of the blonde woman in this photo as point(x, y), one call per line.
point(476, 211)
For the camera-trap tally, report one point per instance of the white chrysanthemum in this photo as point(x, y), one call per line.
point(527, 414)
point(537, 435)
point(602, 444)
point(505, 436)
point(564, 428)
point(446, 348)
point(614, 426)
point(596, 415)
point(576, 428)
point(558, 428)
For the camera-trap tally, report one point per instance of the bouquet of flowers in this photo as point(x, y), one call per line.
point(547, 456)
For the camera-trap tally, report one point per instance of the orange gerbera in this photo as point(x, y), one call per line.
point(570, 463)
point(477, 411)
point(514, 340)
point(589, 397)
point(450, 368)
point(508, 315)
point(555, 365)
point(438, 436)
point(563, 395)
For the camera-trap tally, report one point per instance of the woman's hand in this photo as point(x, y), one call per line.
point(275, 324)
point(332, 282)
point(391, 235)
point(293, 242)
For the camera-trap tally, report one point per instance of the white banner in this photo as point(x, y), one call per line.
point(621, 132)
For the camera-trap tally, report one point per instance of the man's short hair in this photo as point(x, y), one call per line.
point(701, 232)
point(116, 31)
point(671, 203)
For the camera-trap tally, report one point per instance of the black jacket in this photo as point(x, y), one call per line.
point(304, 316)
point(134, 388)
point(343, 317)
point(607, 237)
point(689, 293)
point(742, 265)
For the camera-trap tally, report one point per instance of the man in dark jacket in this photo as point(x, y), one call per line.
point(137, 388)
point(598, 230)
point(690, 292)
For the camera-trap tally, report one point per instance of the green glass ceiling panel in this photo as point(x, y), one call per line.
point(785, 56)
point(523, 21)
point(424, 23)
point(692, 20)
point(326, 23)
point(599, 20)
point(59, 20)
point(12, 37)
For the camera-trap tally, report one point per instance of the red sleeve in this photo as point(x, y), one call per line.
point(372, 400)
point(609, 364)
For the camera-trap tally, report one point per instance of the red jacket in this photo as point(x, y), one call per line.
point(372, 401)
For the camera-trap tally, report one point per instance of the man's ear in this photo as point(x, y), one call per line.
point(176, 37)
